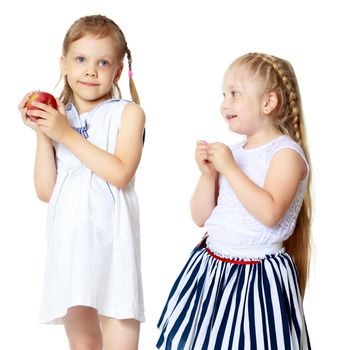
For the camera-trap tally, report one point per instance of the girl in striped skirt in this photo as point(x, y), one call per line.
point(243, 285)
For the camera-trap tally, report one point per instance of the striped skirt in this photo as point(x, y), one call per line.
point(218, 304)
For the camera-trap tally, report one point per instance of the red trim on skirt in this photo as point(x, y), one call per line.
point(232, 261)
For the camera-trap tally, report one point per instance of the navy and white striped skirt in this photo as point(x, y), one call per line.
point(220, 304)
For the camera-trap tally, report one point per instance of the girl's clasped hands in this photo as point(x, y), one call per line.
point(214, 157)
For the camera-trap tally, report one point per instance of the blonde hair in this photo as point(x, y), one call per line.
point(101, 27)
point(277, 75)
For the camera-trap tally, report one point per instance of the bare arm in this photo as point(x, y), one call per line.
point(269, 203)
point(45, 172)
point(205, 195)
point(117, 168)
point(204, 198)
point(45, 166)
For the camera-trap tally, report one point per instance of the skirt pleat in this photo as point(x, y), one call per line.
point(219, 305)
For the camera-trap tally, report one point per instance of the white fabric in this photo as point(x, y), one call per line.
point(241, 252)
point(93, 256)
point(231, 226)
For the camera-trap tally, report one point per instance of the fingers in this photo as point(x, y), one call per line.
point(32, 124)
point(43, 110)
point(21, 106)
point(215, 150)
point(208, 149)
point(41, 124)
point(202, 157)
point(24, 101)
point(202, 148)
point(23, 110)
point(211, 149)
point(43, 106)
point(28, 121)
point(201, 145)
point(215, 147)
point(37, 113)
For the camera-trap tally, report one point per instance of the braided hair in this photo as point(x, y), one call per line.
point(277, 75)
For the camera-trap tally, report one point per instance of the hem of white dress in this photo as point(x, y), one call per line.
point(57, 318)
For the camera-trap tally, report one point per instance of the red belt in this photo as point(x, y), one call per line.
point(232, 261)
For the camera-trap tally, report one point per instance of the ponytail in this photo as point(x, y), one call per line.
point(132, 87)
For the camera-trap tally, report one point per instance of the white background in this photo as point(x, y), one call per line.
point(181, 49)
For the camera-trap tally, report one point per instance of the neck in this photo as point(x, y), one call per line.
point(261, 138)
point(84, 106)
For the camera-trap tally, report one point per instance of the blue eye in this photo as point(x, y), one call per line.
point(80, 59)
point(104, 63)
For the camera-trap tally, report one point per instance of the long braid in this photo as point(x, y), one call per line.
point(292, 114)
point(278, 76)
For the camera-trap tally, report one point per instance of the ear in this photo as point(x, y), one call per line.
point(270, 102)
point(63, 65)
point(118, 73)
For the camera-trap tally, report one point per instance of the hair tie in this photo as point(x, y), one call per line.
point(130, 73)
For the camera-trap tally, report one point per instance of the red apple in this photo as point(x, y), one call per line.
point(43, 97)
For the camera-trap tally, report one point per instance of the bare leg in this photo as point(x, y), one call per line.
point(83, 328)
point(120, 334)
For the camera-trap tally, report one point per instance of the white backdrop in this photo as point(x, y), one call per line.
point(181, 49)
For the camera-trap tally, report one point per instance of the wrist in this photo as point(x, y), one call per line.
point(230, 170)
point(209, 176)
point(41, 135)
point(66, 136)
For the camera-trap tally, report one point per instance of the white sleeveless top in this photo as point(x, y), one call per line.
point(232, 230)
point(93, 256)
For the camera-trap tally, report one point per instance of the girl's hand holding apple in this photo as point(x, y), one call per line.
point(26, 105)
point(42, 97)
point(23, 110)
point(52, 122)
point(42, 112)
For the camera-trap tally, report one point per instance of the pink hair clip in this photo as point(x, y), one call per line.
point(130, 73)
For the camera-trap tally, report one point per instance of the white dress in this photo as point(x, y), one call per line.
point(93, 252)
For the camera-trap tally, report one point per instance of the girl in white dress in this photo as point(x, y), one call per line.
point(88, 151)
point(242, 287)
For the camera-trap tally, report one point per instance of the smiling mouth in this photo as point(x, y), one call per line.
point(230, 117)
point(88, 84)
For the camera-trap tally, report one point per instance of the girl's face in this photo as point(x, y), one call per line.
point(91, 66)
point(242, 101)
